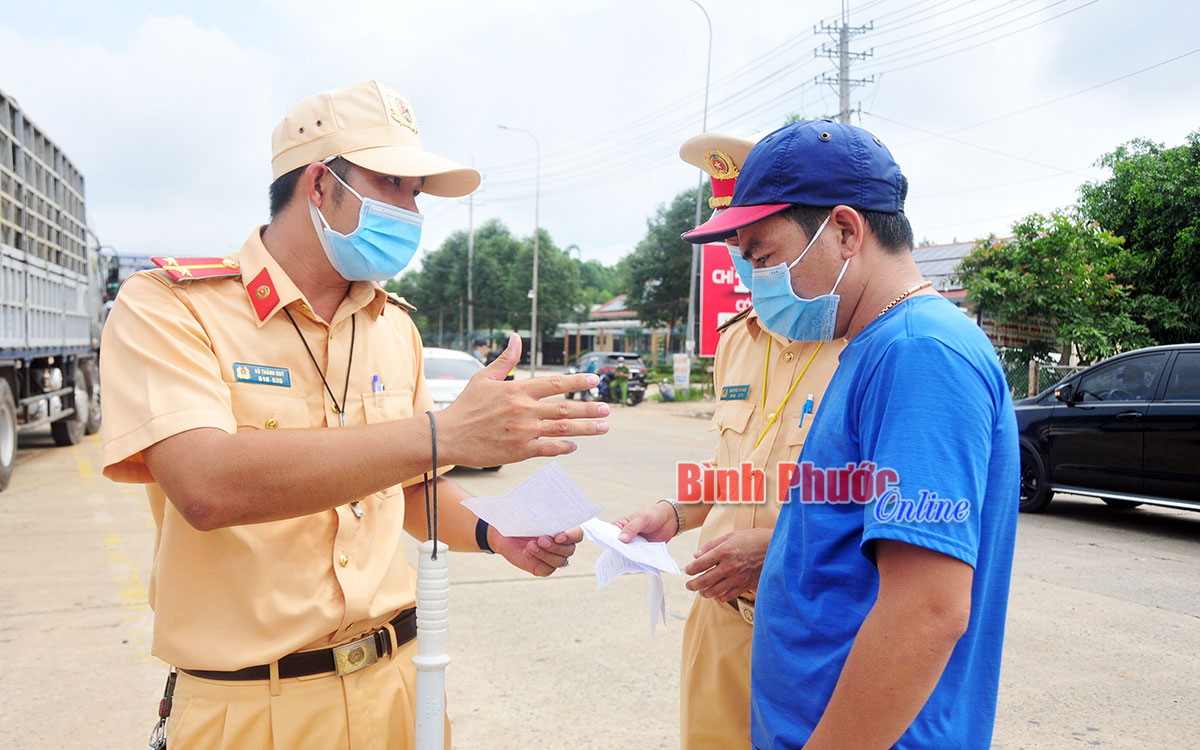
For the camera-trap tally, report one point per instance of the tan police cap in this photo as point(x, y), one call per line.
point(371, 126)
point(722, 157)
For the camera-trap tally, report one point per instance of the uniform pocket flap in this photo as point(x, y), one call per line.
point(386, 406)
point(734, 415)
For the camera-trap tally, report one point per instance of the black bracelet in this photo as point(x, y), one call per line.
point(481, 527)
point(431, 513)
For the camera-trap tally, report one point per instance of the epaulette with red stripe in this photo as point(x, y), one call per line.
point(188, 269)
point(734, 319)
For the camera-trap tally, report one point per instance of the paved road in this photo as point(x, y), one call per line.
point(1101, 648)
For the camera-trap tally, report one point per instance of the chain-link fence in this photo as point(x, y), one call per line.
point(1048, 375)
point(1031, 378)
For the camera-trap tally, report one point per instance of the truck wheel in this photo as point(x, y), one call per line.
point(69, 431)
point(91, 382)
point(8, 433)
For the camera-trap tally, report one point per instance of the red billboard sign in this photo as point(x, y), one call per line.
point(721, 295)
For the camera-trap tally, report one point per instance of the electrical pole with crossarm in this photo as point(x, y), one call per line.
point(842, 31)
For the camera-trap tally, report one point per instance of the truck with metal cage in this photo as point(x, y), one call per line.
point(51, 292)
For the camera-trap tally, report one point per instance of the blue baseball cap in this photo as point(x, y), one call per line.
point(813, 163)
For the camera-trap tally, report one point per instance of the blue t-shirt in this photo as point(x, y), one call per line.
point(918, 392)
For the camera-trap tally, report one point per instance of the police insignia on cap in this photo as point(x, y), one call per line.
point(722, 165)
point(401, 113)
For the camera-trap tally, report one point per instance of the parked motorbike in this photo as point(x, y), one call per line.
point(602, 391)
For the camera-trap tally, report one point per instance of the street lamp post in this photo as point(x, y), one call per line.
point(691, 316)
point(537, 194)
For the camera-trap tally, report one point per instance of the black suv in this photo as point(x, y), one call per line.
point(1126, 430)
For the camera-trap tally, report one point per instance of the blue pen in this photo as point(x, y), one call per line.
point(808, 407)
point(376, 387)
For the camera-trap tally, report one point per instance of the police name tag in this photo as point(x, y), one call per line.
point(735, 392)
point(244, 373)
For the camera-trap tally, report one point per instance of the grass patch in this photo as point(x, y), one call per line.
point(689, 394)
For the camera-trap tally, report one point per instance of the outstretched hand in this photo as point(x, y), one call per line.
point(497, 422)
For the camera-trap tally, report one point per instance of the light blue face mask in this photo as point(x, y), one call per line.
point(781, 311)
point(744, 268)
point(380, 246)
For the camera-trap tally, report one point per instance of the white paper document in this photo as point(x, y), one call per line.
point(637, 556)
point(543, 505)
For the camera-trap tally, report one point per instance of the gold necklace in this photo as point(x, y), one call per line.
point(898, 300)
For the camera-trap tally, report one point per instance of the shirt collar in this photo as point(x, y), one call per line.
point(270, 289)
point(757, 328)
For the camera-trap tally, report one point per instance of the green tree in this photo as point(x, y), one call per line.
point(1062, 269)
point(598, 284)
point(440, 286)
point(502, 275)
point(558, 284)
point(659, 267)
point(1151, 200)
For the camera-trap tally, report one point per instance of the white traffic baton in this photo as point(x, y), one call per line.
point(433, 600)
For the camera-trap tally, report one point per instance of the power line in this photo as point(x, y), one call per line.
point(977, 146)
point(732, 79)
point(976, 46)
point(1064, 97)
point(1006, 8)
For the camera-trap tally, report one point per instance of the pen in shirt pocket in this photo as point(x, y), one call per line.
point(808, 407)
point(376, 388)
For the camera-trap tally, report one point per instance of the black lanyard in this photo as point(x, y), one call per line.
point(339, 408)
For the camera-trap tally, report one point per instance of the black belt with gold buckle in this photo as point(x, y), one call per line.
point(344, 659)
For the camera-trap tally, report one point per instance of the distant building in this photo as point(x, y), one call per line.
point(612, 326)
point(939, 264)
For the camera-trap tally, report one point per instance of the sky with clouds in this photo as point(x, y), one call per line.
point(993, 108)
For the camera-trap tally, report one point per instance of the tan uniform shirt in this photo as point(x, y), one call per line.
point(743, 359)
point(181, 356)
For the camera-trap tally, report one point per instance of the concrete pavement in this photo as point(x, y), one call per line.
point(1100, 649)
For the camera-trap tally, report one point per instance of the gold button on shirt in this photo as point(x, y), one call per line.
point(177, 357)
point(715, 675)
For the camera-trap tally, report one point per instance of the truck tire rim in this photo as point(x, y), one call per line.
point(7, 435)
point(83, 404)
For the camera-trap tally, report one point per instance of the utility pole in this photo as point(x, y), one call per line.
point(842, 32)
point(470, 262)
point(690, 338)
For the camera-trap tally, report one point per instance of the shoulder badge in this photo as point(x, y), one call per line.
point(734, 319)
point(189, 269)
point(399, 301)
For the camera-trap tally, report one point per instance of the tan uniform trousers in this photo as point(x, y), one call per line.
point(714, 702)
point(371, 709)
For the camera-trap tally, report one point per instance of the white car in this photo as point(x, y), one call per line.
point(446, 373)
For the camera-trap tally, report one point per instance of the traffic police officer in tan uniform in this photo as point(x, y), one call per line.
point(273, 403)
point(763, 382)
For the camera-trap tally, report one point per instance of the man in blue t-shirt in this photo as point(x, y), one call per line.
point(881, 602)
